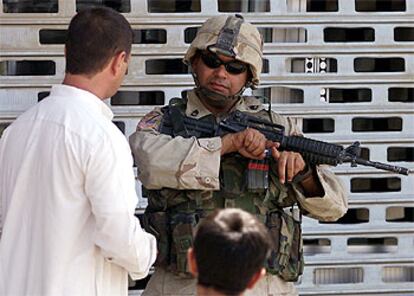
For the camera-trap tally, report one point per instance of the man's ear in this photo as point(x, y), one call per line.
point(256, 277)
point(194, 63)
point(117, 61)
point(192, 264)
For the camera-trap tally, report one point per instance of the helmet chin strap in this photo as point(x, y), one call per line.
point(213, 98)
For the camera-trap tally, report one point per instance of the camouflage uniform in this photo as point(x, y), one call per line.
point(187, 178)
point(193, 166)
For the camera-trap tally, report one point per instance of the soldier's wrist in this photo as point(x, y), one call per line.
point(227, 145)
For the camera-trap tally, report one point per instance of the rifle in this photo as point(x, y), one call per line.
point(314, 152)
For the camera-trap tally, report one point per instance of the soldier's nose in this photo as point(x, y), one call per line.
point(221, 71)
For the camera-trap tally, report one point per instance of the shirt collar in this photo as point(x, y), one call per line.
point(74, 93)
point(195, 108)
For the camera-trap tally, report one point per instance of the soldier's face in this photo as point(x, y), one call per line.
point(219, 79)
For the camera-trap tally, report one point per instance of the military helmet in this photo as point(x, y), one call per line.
point(230, 36)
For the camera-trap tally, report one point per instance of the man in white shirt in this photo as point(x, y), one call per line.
point(67, 188)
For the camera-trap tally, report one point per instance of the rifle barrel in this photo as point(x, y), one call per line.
point(383, 166)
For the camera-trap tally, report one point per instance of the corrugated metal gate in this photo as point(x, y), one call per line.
point(344, 68)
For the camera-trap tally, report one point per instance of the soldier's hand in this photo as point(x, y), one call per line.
point(250, 143)
point(289, 163)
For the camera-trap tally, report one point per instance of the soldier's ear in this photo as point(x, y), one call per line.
point(192, 264)
point(194, 62)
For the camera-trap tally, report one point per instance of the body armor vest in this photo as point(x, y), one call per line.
point(171, 214)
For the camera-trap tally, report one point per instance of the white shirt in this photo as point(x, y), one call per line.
point(67, 197)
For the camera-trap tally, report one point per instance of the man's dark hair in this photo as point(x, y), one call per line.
point(94, 36)
point(230, 246)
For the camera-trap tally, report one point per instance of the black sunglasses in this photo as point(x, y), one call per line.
point(212, 61)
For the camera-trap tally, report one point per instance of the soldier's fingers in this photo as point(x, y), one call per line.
point(300, 162)
point(237, 140)
point(254, 137)
point(258, 143)
point(290, 166)
point(250, 142)
point(275, 153)
point(247, 154)
point(281, 167)
point(259, 148)
point(269, 144)
point(248, 137)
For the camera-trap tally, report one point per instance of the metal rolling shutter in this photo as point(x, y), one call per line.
point(344, 68)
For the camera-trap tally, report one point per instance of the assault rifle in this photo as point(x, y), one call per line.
point(313, 151)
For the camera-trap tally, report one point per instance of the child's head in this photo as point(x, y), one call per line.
point(230, 249)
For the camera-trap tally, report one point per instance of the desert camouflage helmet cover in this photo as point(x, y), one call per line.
point(217, 32)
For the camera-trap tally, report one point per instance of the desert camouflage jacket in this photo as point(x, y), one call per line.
point(194, 164)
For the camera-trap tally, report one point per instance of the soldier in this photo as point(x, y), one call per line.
point(190, 175)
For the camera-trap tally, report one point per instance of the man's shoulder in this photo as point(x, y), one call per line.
point(80, 118)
